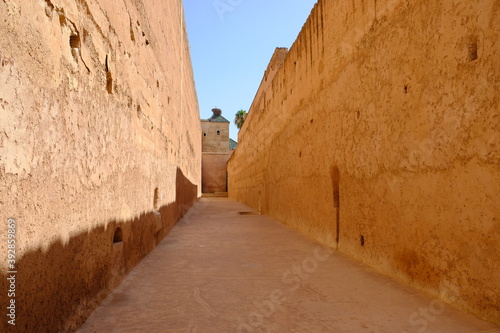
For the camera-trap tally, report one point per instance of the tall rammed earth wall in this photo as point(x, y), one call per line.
point(380, 135)
point(100, 147)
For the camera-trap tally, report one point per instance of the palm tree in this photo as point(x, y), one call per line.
point(240, 117)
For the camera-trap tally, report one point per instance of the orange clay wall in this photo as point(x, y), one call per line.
point(214, 174)
point(100, 147)
point(379, 135)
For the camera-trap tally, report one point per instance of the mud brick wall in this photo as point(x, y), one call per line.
point(100, 147)
point(379, 135)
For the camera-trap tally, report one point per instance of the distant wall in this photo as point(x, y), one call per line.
point(214, 172)
point(215, 136)
point(100, 147)
point(379, 135)
point(215, 147)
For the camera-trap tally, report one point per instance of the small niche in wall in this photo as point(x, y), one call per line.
point(109, 78)
point(336, 187)
point(362, 240)
point(109, 83)
point(335, 174)
point(472, 48)
point(156, 199)
point(218, 132)
point(118, 236)
point(74, 41)
point(132, 35)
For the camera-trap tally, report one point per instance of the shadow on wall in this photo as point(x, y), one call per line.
point(57, 289)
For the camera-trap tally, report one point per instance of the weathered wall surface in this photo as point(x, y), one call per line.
point(99, 129)
point(379, 135)
point(214, 171)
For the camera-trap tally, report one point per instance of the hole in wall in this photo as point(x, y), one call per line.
point(109, 83)
point(362, 240)
point(336, 187)
point(312, 121)
point(132, 35)
point(248, 213)
point(139, 111)
point(204, 134)
point(118, 236)
point(335, 175)
point(300, 154)
point(218, 132)
point(147, 42)
point(109, 78)
point(406, 88)
point(472, 48)
point(106, 64)
point(74, 41)
point(157, 84)
point(358, 114)
point(156, 199)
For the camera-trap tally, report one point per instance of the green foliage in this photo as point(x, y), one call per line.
point(240, 117)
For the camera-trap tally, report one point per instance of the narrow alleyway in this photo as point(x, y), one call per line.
point(220, 271)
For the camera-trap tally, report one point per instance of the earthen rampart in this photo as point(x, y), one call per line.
point(379, 136)
point(100, 147)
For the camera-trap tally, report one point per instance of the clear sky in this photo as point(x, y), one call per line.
point(231, 44)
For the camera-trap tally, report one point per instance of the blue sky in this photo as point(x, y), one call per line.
point(231, 44)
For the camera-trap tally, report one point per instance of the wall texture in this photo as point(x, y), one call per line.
point(99, 130)
point(379, 135)
point(214, 172)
